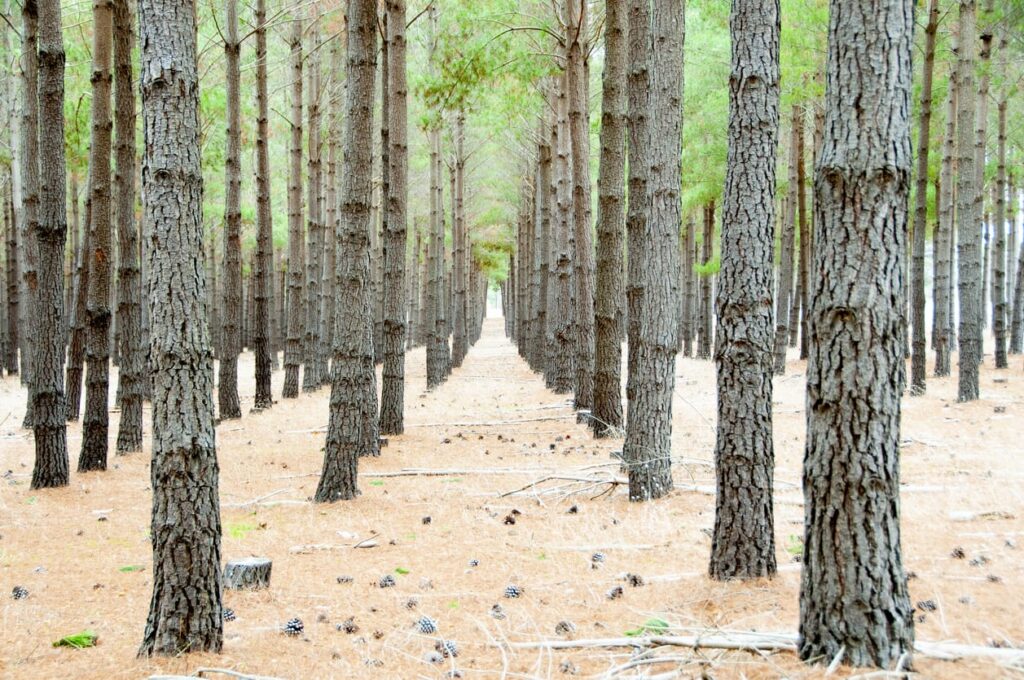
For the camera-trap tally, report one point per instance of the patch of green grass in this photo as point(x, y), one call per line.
point(795, 547)
point(651, 626)
point(238, 530)
point(86, 638)
point(401, 570)
point(130, 568)
point(376, 482)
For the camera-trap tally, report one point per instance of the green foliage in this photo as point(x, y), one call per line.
point(86, 638)
point(650, 627)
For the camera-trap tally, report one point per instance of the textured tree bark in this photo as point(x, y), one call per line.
point(460, 273)
point(543, 337)
point(312, 376)
point(393, 373)
point(805, 236)
point(11, 358)
point(327, 287)
point(654, 284)
point(689, 287)
point(743, 543)
point(263, 346)
point(296, 244)
point(610, 283)
point(129, 281)
point(231, 333)
point(784, 298)
point(999, 225)
point(577, 70)
point(968, 222)
point(563, 318)
point(1017, 315)
point(28, 161)
point(76, 346)
point(185, 610)
point(853, 595)
point(918, 368)
point(981, 216)
point(95, 421)
point(352, 428)
point(250, 573)
point(944, 240)
point(49, 428)
point(707, 247)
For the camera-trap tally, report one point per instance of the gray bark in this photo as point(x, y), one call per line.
point(707, 248)
point(185, 609)
point(853, 595)
point(743, 543)
point(352, 427)
point(312, 376)
point(95, 421)
point(263, 346)
point(48, 424)
point(563, 315)
point(460, 273)
point(28, 163)
point(654, 259)
point(999, 225)
point(76, 345)
point(943, 242)
point(393, 372)
point(296, 244)
point(784, 297)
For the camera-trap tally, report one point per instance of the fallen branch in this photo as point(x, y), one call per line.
point(255, 501)
point(494, 423)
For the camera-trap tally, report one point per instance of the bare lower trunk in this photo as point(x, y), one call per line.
point(854, 603)
point(76, 345)
point(654, 256)
point(999, 225)
point(312, 376)
point(689, 287)
point(296, 245)
point(707, 247)
point(563, 359)
point(263, 346)
point(185, 609)
point(743, 544)
point(49, 427)
point(28, 160)
point(944, 239)
point(352, 428)
point(95, 422)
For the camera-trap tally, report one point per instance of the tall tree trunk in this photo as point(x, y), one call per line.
point(610, 285)
point(185, 610)
point(999, 225)
point(460, 273)
point(28, 161)
point(689, 286)
point(327, 287)
point(296, 244)
point(95, 422)
point(786, 246)
point(393, 373)
point(312, 377)
point(545, 320)
point(76, 346)
point(653, 292)
point(231, 335)
point(263, 346)
point(743, 544)
point(943, 318)
point(49, 428)
point(352, 427)
point(704, 340)
point(11, 360)
point(564, 318)
point(805, 236)
point(967, 219)
point(918, 369)
point(577, 70)
point(1017, 315)
point(853, 595)
point(129, 296)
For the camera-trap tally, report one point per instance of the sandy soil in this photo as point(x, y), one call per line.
point(69, 547)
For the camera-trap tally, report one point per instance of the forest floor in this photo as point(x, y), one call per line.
point(84, 555)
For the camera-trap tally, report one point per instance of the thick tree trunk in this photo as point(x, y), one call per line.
point(296, 244)
point(393, 373)
point(95, 422)
point(49, 427)
point(28, 161)
point(853, 596)
point(577, 70)
point(918, 368)
point(327, 287)
point(743, 544)
point(263, 346)
point(352, 427)
point(129, 295)
point(943, 241)
point(185, 610)
point(607, 412)
point(654, 263)
point(968, 220)
point(231, 334)
point(312, 376)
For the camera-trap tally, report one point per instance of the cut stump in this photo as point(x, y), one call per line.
point(250, 573)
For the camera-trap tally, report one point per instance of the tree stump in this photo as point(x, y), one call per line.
point(250, 573)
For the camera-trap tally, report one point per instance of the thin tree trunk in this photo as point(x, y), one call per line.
point(296, 244)
point(853, 597)
point(76, 346)
point(395, 238)
point(129, 298)
point(11, 360)
point(49, 427)
point(943, 318)
point(689, 286)
point(460, 273)
point(804, 234)
point(654, 263)
point(185, 610)
point(784, 290)
point(999, 225)
point(564, 317)
point(28, 161)
point(610, 285)
point(264, 346)
point(352, 428)
point(312, 377)
point(967, 218)
point(704, 338)
point(743, 543)
point(231, 334)
point(95, 421)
